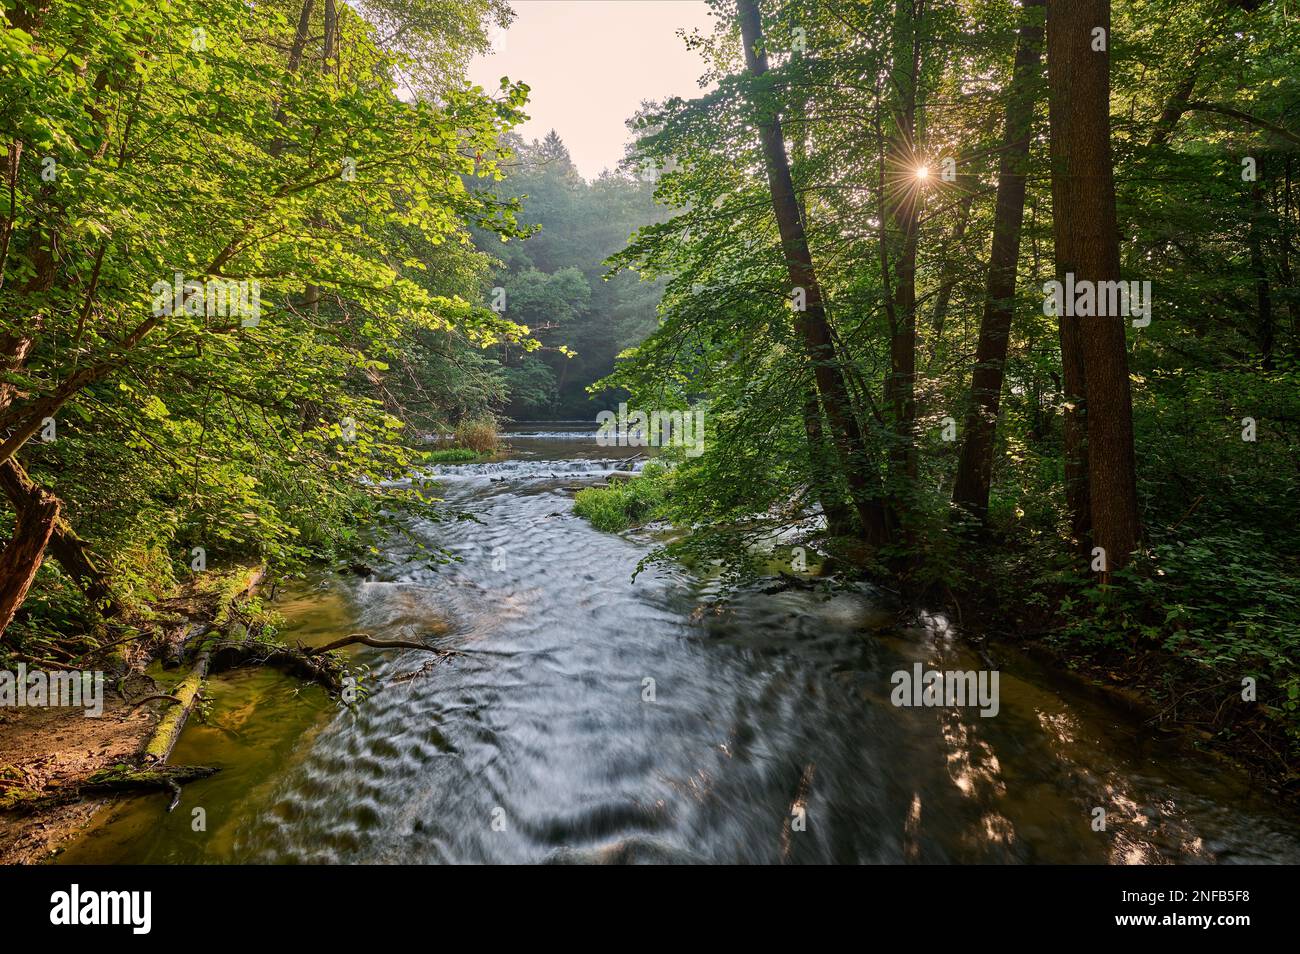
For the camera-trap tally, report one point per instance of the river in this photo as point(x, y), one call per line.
point(767, 734)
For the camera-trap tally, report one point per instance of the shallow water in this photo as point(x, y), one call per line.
point(540, 743)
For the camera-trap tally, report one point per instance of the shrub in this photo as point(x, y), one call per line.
point(624, 504)
point(478, 434)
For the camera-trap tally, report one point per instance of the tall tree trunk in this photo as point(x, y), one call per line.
point(839, 517)
point(1086, 236)
point(22, 557)
point(296, 50)
point(331, 30)
point(839, 520)
point(906, 216)
point(311, 292)
point(811, 324)
point(300, 36)
point(1284, 249)
point(975, 467)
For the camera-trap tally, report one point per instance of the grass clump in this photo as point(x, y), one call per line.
point(452, 455)
point(627, 503)
point(478, 434)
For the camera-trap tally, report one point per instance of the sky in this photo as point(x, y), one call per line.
point(590, 63)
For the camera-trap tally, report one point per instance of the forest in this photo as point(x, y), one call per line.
point(556, 282)
point(989, 306)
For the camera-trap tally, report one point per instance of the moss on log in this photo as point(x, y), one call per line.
point(116, 779)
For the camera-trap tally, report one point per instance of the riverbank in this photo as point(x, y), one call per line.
point(1130, 640)
point(45, 751)
point(49, 753)
point(1171, 640)
point(62, 764)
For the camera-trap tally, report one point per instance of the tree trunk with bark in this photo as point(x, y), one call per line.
point(1086, 235)
point(975, 467)
point(905, 214)
point(64, 545)
point(838, 519)
point(948, 271)
point(1263, 296)
point(811, 324)
point(24, 554)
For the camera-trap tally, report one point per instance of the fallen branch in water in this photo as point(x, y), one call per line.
point(327, 671)
point(365, 639)
point(312, 663)
point(189, 690)
point(121, 778)
point(235, 647)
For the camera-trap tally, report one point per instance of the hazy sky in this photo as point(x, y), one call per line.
point(590, 63)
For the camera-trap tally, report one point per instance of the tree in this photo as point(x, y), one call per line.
point(810, 321)
point(975, 467)
point(584, 318)
point(1086, 234)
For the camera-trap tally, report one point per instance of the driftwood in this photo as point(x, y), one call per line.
point(365, 639)
point(312, 663)
point(186, 695)
point(174, 650)
point(156, 695)
point(219, 651)
point(122, 778)
point(327, 671)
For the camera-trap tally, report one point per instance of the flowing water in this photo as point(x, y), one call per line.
point(767, 734)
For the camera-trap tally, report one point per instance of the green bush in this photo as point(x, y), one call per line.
point(627, 503)
point(1223, 603)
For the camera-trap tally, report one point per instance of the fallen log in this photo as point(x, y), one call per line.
point(327, 671)
point(154, 696)
point(365, 639)
point(219, 652)
point(311, 663)
point(186, 695)
point(174, 650)
point(188, 692)
point(110, 781)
